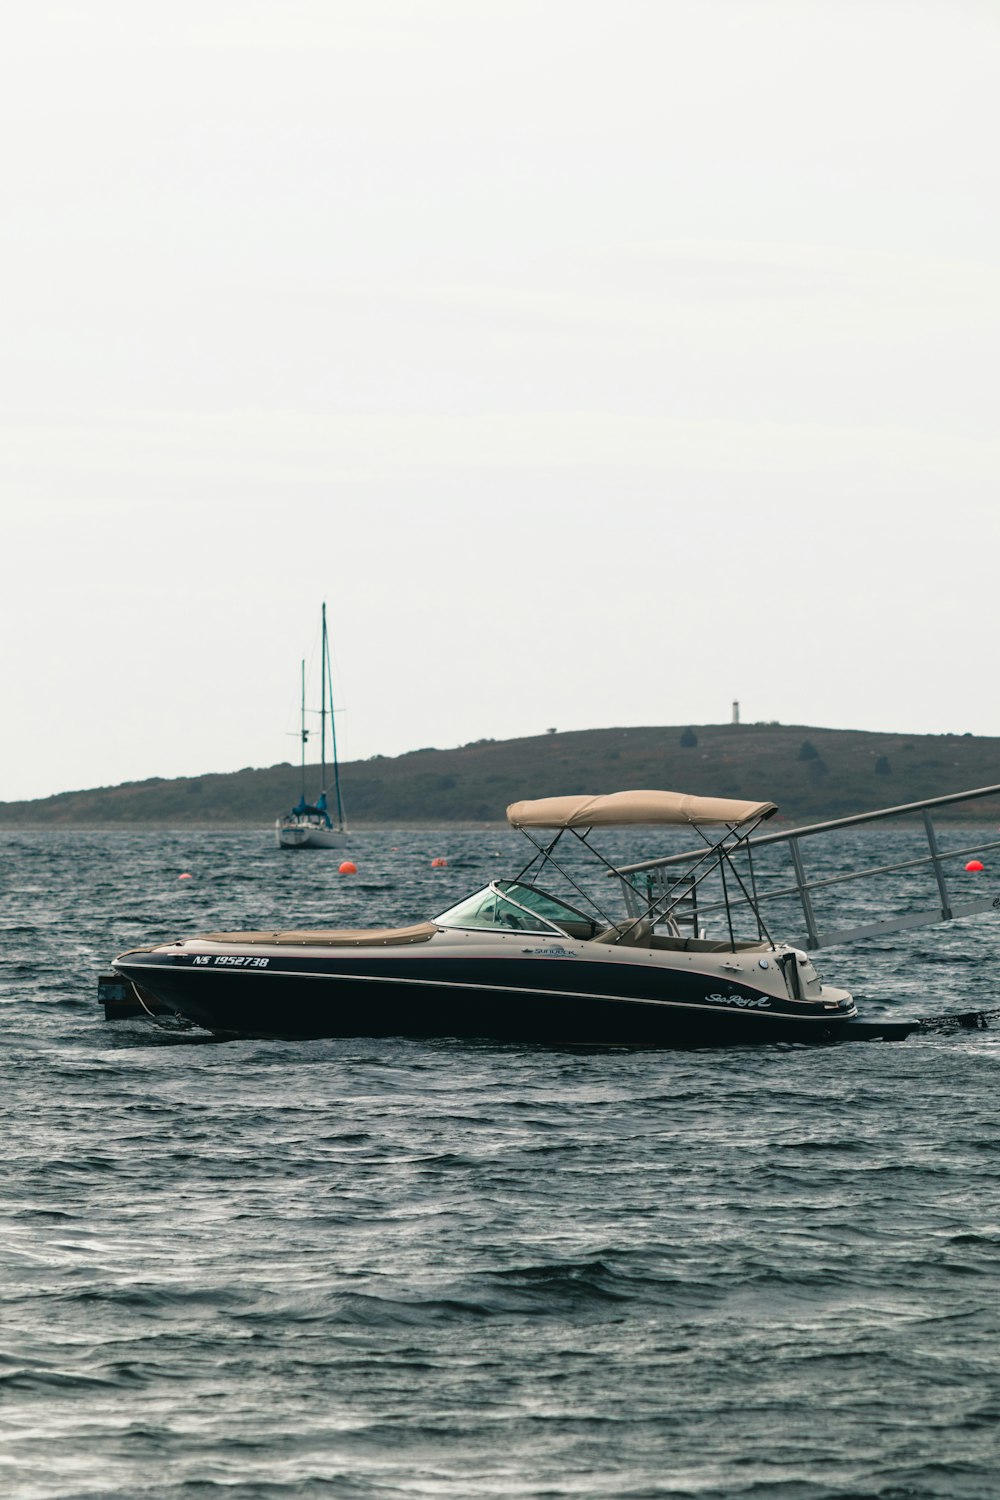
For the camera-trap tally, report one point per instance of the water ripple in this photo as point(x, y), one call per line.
point(399, 1269)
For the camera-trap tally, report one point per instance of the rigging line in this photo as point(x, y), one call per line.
point(710, 859)
point(713, 849)
point(322, 709)
point(549, 859)
point(612, 869)
point(305, 732)
point(726, 853)
point(176, 1022)
point(580, 890)
point(546, 853)
point(722, 851)
point(970, 1020)
point(725, 897)
point(691, 885)
point(753, 887)
point(328, 670)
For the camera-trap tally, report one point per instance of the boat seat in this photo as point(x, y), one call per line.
point(709, 945)
point(356, 937)
point(635, 934)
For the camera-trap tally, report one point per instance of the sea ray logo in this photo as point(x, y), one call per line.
point(745, 1002)
point(550, 952)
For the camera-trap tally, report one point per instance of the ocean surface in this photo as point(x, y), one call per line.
point(403, 1269)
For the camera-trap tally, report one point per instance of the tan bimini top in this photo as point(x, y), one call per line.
point(620, 809)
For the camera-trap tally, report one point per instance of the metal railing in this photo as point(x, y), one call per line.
point(687, 904)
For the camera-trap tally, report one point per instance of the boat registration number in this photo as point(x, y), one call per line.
point(231, 960)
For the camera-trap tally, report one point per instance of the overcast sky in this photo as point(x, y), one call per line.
point(597, 361)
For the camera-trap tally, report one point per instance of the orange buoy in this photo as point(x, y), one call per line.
point(185, 876)
point(975, 864)
point(439, 863)
point(348, 868)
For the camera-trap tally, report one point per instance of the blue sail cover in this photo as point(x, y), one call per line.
point(304, 809)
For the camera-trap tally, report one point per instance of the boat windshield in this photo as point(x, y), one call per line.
point(493, 908)
point(550, 907)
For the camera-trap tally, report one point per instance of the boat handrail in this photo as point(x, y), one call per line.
point(946, 910)
point(784, 834)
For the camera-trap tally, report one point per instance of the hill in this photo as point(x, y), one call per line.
point(810, 773)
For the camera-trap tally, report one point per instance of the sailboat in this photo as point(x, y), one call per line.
point(310, 825)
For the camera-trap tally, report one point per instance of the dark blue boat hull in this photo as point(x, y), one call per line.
point(509, 1000)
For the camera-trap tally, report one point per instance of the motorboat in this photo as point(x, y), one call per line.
point(309, 825)
point(537, 957)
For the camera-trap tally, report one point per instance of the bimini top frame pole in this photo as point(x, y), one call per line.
point(803, 888)
point(716, 855)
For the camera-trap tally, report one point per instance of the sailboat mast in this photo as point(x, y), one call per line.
point(303, 730)
point(322, 711)
point(333, 729)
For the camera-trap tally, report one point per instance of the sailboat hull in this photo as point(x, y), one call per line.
point(289, 835)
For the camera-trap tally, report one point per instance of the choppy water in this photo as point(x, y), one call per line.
point(401, 1269)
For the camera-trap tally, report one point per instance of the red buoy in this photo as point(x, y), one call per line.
point(975, 864)
point(185, 876)
point(439, 863)
point(348, 868)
